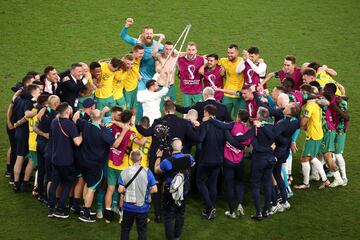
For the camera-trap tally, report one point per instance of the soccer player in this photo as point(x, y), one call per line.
point(62, 136)
point(233, 81)
point(253, 68)
point(119, 80)
point(117, 160)
point(147, 67)
point(330, 114)
point(177, 171)
point(151, 98)
point(213, 75)
point(289, 70)
point(165, 72)
point(24, 102)
point(135, 184)
point(311, 122)
point(93, 153)
point(42, 128)
point(132, 77)
point(141, 142)
point(190, 79)
point(104, 92)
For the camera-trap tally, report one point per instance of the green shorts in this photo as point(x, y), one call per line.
point(81, 101)
point(233, 105)
point(328, 143)
point(311, 148)
point(191, 99)
point(340, 143)
point(171, 93)
point(113, 176)
point(34, 160)
point(121, 103)
point(130, 98)
point(102, 102)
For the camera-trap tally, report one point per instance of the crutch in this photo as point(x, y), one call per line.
point(187, 27)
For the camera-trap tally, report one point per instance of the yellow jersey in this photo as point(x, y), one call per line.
point(314, 129)
point(323, 78)
point(234, 81)
point(107, 78)
point(118, 84)
point(132, 78)
point(32, 134)
point(144, 149)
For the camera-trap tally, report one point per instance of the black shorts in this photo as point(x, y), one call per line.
point(22, 143)
point(93, 175)
point(64, 174)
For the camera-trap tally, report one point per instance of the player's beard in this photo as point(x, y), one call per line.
point(148, 41)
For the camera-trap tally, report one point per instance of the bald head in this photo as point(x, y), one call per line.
point(95, 115)
point(208, 92)
point(176, 145)
point(53, 101)
point(282, 100)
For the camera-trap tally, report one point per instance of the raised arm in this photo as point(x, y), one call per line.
point(222, 125)
point(233, 141)
point(182, 109)
point(124, 32)
point(267, 78)
point(258, 69)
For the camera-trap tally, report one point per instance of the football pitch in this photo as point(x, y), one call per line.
point(34, 34)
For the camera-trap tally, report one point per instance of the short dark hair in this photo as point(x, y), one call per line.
point(309, 72)
point(233, 46)
point(253, 50)
point(150, 83)
point(37, 82)
point(94, 65)
point(332, 87)
point(308, 88)
point(126, 116)
point(246, 87)
point(264, 113)
point(26, 79)
point(116, 63)
point(145, 121)
point(290, 58)
point(213, 55)
point(62, 107)
point(169, 106)
point(129, 57)
point(288, 83)
point(211, 109)
point(168, 43)
point(48, 69)
point(31, 88)
point(75, 65)
point(116, 109)
point(316, 84)
point(243, 115)
point(42, 98)
point(33, 73)
point(281, 88)
point(314, 65)
point(137, 47)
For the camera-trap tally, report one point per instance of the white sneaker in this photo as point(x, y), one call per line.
point(345, 182)
point(336, 183)
point(99, 214)
point(121, 214)
point(230, 215)
point(116, 210)
point(240, 210)
point(314, 177)
point(277, 208)
point(286, 205)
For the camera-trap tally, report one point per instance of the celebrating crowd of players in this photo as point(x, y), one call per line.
point(100, 129)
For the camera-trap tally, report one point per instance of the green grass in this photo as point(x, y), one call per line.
point(37, 33)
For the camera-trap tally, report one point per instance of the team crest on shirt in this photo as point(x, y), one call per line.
point(306, 113)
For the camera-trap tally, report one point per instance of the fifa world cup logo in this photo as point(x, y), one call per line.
point(212, 78)
point(191, 69)
point(250, 73)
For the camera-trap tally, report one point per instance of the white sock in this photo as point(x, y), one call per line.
point(35, 182)
point(314, 171)
point(341, 162)
point(289, 163)
point(321, 158)
point(306, 171)
point(319, 168)
point(337, 176)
